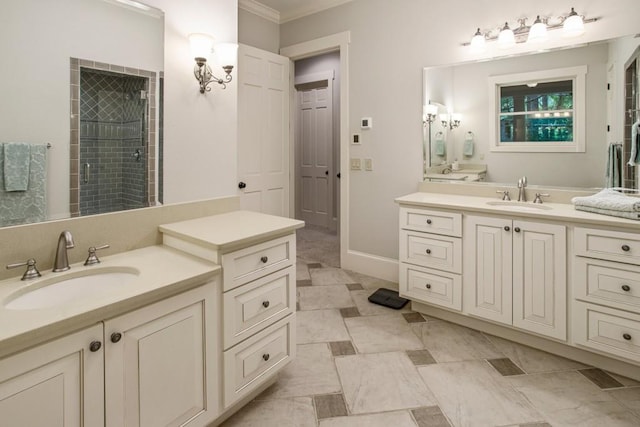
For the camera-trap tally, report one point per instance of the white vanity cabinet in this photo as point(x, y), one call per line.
point(56, 384)
point(160, 362)
point(431, 256)
point(515, 273)
point(606, 306)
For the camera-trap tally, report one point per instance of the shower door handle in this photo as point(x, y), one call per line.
point(87, 167)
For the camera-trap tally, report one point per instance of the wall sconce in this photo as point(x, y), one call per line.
point(572, 25)
point(201, 47)
point(451, 120)
point(429, 113)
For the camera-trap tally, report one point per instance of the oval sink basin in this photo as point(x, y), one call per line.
point(75, 286)
point(519, 206)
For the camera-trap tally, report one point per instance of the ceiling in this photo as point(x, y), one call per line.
point(281, 11)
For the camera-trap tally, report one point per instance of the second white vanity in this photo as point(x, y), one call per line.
point(544, 275)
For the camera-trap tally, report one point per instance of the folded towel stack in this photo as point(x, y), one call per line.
point(609, 202)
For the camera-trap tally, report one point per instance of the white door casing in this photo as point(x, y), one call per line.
point(315, 172)
point(263, 131)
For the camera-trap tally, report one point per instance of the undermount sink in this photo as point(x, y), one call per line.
point(519, 206)
point(82, 285)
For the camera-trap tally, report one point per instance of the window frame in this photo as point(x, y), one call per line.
point(576, 74)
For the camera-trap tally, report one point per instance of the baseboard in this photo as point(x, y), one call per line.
point(371, 265)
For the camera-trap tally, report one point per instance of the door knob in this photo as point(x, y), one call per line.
point(242, 185)
point(326, 172)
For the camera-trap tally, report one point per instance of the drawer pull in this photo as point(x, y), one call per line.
point(265, 356)
point(428, 251)
point(428, 221)
point(265, 304)
point(507, 228)
point(626, 337)
point(95, 346)
point(626, 248)
point(626, 288)
point(264, 259)
point(428, 286)
point(115, 337)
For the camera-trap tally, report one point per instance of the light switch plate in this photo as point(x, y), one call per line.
point(368, 164)
point(356, 164)
point(366, 123)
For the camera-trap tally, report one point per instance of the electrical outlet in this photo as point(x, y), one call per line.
point(356, 164)
point(356, 139)
point(368, 164)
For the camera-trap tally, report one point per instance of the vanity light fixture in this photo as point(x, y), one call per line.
point(429, 112)
point(201, 47)
point(572, 25)
point(451, 120)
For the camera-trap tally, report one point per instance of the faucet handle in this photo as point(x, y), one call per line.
point(539, 196)
point(93, 258)
point(31, 273)
point(505, 194)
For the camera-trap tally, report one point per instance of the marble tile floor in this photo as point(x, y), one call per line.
point(359, 364)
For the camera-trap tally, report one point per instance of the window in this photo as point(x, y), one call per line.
point(538, 111)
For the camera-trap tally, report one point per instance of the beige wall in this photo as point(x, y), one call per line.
point(391, 42)
point(256, 31)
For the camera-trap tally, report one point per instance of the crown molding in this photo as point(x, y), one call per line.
point(260, 9)
point(309, 8)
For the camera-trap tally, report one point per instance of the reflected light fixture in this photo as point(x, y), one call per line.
point(430, 112)
point(538, 31)
point(451, 120)
point(201, 48)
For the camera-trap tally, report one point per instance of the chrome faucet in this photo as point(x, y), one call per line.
point(65, 241)
point(522, 183)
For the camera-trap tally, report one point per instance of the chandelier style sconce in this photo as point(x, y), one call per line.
point(572, 25)
point(429, 113)
point(201, 47)
point(450, 120)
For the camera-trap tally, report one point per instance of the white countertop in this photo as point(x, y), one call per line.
point(163, 272)
point(557, 211)
point(233, 229)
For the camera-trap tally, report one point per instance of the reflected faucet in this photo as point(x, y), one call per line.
point(522, 183)
point(65, 241)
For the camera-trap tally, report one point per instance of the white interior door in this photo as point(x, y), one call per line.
point(263, 131)
point(314, 153)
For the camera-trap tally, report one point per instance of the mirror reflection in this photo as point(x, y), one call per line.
point(468, 89)
point(79, 110)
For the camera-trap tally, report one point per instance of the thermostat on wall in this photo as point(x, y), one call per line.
point(366, 123)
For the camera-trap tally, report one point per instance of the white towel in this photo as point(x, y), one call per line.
point(634, 158)
point(619, 214)
point(608, 199)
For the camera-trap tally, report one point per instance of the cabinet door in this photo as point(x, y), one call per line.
point(55, 384)
point(539, 278)
point(159, 370)
point(487, 279)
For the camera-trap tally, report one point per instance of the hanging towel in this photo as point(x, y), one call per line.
point(634, 159)
point(608, 199)
point(17, 156)
point(614, 166)
point(441, 148)
point(467, 148)
point(23, 207)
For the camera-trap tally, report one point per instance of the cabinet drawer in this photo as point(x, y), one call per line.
point(251, 263)
point(258, 358)
point(611, 245)
point(608, 283)
point(608, 330)
point(431, 286)
point(252, 307)
point(431, 221)
point(431, 250)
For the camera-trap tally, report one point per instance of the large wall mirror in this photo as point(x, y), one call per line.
point(80, 83)
point(466, 89)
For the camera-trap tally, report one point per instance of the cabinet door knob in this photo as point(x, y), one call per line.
point(428, 286)
point(266, 356)
point(265, 304)
point(517, 229)
point(95, 346)
point(429, 221)
point(626, 288)
point(507, 228)
point(264, 259)
point(242, 185)
point(428, 251)
point(626, 337)
point(115, 337)
point(626, 248)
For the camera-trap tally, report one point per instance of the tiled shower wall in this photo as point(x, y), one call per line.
point(115, 120)
point(630, 104)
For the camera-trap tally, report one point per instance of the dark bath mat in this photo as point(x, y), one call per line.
point(388, 298)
